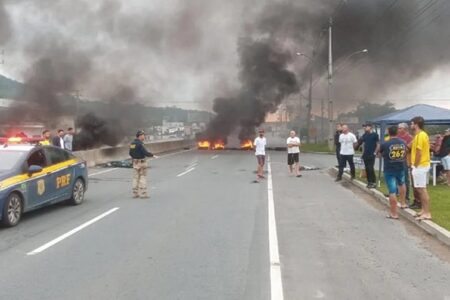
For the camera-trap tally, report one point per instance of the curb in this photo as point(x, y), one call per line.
point(430, 227)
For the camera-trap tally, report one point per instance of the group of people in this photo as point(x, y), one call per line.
point(63, 140)
point(405, 157)
point(293, 152)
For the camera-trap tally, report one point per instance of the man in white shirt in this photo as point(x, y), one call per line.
point(293, 148)
point(348, 141)
point(260, 152)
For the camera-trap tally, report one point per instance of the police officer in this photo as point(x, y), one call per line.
point(139, 154)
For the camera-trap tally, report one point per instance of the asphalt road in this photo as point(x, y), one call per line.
point(204, 234)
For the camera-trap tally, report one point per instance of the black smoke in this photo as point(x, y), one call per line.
point(406, 40)
point(113, 124)
point(266, 82)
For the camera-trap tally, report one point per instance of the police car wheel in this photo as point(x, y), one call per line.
point(77, 192)
point(12, 211)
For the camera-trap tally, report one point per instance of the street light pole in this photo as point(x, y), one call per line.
point(330, 84)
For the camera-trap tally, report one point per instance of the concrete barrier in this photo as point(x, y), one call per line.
point(103, 155)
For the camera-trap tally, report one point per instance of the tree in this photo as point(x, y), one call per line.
point(366, 111)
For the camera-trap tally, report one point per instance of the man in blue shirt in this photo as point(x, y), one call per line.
point(394, 155)
point(371, 141)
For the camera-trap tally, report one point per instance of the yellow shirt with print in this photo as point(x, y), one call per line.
point(45, 143)
point(421, 142)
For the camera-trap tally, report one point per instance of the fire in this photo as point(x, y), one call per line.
point(246, 145)
point(203, 145)
point(219, 145)
point(14, 140)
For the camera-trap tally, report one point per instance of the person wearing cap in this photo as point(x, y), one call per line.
point(403, 134)
point(371, 143)
point(139, 156)
point(260, 153)
point(394, 155)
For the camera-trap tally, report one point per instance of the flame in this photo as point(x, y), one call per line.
point(219, 145)
point(247, 144)
point(203, 144)
point(14, 140)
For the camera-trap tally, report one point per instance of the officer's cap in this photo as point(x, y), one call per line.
point(139, 133)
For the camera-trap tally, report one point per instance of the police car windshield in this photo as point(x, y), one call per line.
point(9, 159)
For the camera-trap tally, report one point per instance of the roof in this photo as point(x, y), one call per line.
point(433, 115)
point(16, 147)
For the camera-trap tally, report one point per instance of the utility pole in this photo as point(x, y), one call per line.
point(322, 115)
point(77, 107)
point(330, 84)
point(309, 106)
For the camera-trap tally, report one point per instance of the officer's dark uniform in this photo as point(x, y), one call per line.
point(139, 154)
point(337, 144)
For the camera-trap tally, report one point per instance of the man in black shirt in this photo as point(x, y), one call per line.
point(371, 143)
point(337, 144)
point(139, 155)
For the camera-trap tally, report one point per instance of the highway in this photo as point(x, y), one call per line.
point(204, 234)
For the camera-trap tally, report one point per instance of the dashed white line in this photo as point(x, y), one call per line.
point(215, 156)
point(161, 156)
point(71, 232)
point(102, 172)
point(185, 172)
point(276, 284)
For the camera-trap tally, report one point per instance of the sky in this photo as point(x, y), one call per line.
point(185, 53)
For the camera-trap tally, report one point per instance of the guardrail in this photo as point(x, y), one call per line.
point(103, 155)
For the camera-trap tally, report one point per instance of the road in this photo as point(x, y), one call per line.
point(204, 234)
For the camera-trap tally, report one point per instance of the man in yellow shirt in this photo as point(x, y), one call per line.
point(46, 136)
point(420, 165)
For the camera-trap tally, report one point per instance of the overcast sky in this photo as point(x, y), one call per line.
point(173, 52)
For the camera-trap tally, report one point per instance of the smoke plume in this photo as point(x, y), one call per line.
point(406, 40)
point(167, 52)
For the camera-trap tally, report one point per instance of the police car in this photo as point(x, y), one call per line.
point(33, 176)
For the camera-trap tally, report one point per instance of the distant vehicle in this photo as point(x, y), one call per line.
point(33, 176)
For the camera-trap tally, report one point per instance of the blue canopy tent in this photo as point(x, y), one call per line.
point(432, 115)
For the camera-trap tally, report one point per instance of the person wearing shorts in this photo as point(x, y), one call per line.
point(420, 166)
point(394, 156)
point(260, 153)
point(293, 148)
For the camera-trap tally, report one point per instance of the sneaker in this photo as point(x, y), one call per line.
point(135, 196)
point(338, 179)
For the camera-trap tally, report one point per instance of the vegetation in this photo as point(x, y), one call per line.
point(440, 203)
point(322, 147)
point(366, 111)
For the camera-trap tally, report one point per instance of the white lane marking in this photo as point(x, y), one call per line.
point(215, 156)
point(319, 295)
point(276, 284)
point(171, 154)
point(193, 165)
point(71, 232)
point(162, 156)
point(102, 172)
point(185, 172)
